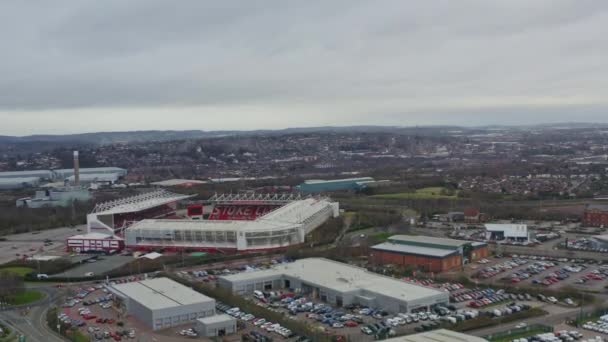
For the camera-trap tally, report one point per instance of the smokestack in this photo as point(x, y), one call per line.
point(76, 169)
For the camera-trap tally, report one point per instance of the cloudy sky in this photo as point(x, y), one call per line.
point(113, 65)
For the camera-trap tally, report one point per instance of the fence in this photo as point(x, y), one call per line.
point(513, 333)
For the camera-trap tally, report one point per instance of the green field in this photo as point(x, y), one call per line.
point(22, 271)
point(26, 297)
point(424, 193)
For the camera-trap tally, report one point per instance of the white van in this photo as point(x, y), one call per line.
point(258, 294)
point(42, 276)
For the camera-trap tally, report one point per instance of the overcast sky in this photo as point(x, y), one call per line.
point(114, 65)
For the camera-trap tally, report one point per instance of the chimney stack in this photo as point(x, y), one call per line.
point(76, 169)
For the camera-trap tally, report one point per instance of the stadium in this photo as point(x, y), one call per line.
point(238, 223)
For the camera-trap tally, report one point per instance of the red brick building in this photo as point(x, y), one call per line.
point(472, 215)
point(428, 254)
point(596, 215)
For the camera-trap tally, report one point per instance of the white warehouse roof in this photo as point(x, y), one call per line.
point(159, 293)
point(509, 229)
point(440, 335)
point(341, 277)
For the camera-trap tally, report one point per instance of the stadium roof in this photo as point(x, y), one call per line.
point(139, 202)
point(160, 293)
point(341, 277)
point(253, 197)
point(292, 214)
point(408, 249)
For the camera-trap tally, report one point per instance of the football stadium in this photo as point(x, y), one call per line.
point(235, 223)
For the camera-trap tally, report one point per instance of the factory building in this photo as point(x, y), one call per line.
point(339, 284)
point(54, 197)
point(429, 254)
point(62, 174)
point(40, 174)
point(162, 303)
point(596, 215)
point(19, 183)
point(507, 232)
point(317, 186)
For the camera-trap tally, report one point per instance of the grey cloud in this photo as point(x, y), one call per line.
point(351, 62)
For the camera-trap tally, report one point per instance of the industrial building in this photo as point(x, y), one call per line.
point(161, 302)
point(54, 197)
point(216, 326)
point(439, 335)
point(318, 186)
point(40, 174)
point(339, 284)
point(429, 254)
point(19, 183)
point(244, 226)
point(62, 174)
point(596, 215)
point(507, 232)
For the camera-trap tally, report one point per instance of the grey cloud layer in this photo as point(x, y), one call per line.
point(356, 60)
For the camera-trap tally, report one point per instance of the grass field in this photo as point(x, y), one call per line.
point(424, 193)
point(22, 271)
point(26, 297)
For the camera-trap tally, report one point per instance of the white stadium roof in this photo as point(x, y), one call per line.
point(292, 214)
point(139, 202)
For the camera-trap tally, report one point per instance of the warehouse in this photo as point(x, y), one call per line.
point(429, 254)
point(507, 232)
point(65, 173)
point(339, 284)
point(162, 303)
point(18, 183)
point(440, 335)
point(315, 186)
point(40, 174)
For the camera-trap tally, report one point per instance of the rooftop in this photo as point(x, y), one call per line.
point(94, 236)
point(429, 240)
point(408, 249)
point(440, 335)
point(341, 277)
point(322, 181)
point(599, 207)
point(27, 173)
point(216, 319)
point(160, 293)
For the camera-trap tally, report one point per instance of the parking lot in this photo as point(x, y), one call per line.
point(541, 272)
point(45, 242)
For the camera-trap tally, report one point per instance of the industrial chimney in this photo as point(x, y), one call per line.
point(76, 169)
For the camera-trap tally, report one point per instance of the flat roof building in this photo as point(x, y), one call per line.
point(218, 325)
point(507, 232)
point(440, 335)
point(162, 303)
point(319, 185)
point(338, 283)
point(429, 254)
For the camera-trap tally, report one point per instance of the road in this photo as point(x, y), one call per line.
point(551, 319)
point(33, 325)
